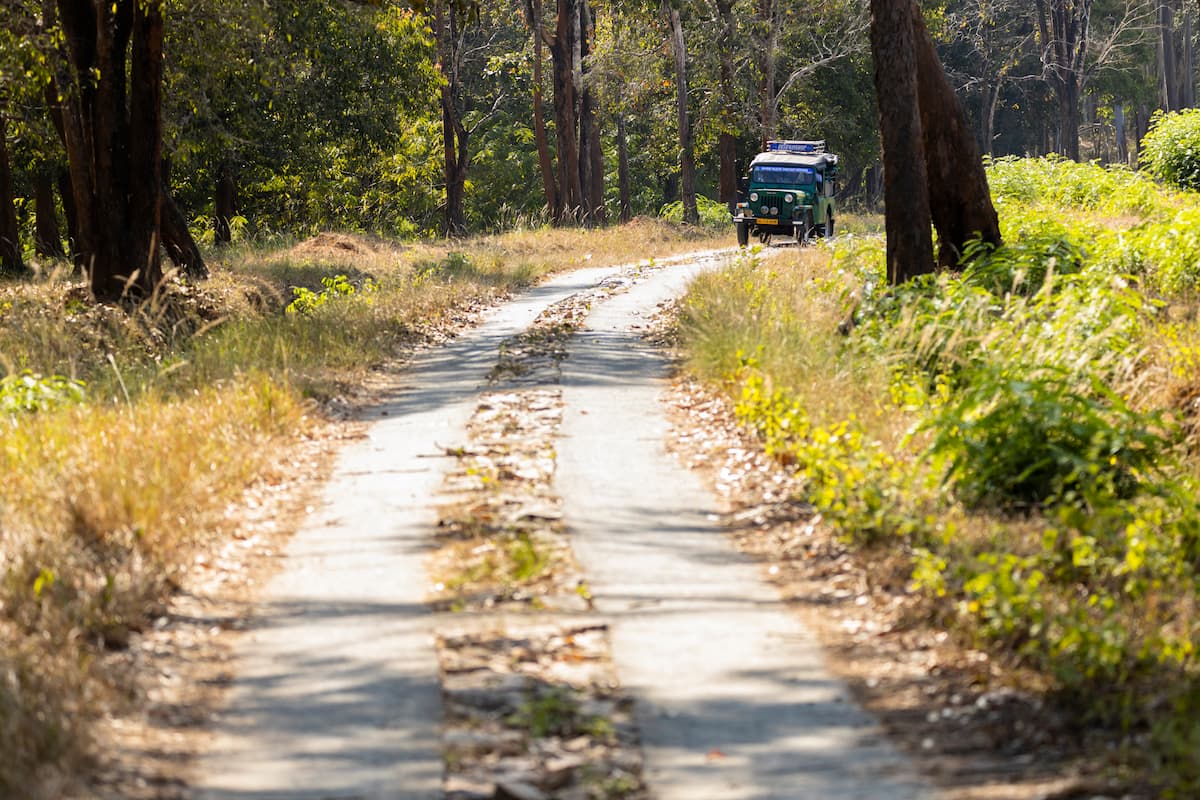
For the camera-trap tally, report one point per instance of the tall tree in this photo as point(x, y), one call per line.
point(455, 138)
point(533, 19)
point(47, 239)
point(905, 186)
point(591, 155)
point(687, 156)
point(997, 37)
point(726, 41)
point(960, 202)
point(932, 167)
point(1072, 53)
point(113, 127)
point(564, 53)
point(10, 244)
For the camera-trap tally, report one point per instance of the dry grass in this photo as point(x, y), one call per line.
point(189, 401)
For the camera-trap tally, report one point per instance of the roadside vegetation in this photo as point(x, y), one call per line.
point(127, 440)
point(1023, 432)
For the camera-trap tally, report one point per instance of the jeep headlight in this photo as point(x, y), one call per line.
point(754, 197)
point(787, 198)
point(774, 210)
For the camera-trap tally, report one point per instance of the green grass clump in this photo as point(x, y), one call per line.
point(1023, 432)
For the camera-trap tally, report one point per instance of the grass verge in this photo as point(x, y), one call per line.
point(1019, 438)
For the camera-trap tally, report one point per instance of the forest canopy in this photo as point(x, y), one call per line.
point(280, 119)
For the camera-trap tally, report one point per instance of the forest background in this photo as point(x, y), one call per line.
point(131, 430)
point(281, 119)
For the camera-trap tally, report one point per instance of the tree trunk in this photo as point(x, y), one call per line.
point(562, 51)
point(623, 190)
point(225, 200)
point(959, 200)
point(1187, 80)
point(1063, 29)
point(47, 237)
point(1119, 133)
point(177, 240)
point(113, 132)
point(991, 101)
point(10, 243)
point(767, 69)
point(68, 201)
point(553, 203)
point(1068, 114)
point(687, 158)
point(905, 183)
point(454, 133)
point(454, 162)
point(727, 138)
point(591, 158)
point(1166, 50)
point(1141, 126)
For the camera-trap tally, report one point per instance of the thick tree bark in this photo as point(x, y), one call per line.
point(563, 48)
point(905, 184)
point(624, 194)
point(113, 137)
point(177, 240)
point(1068, 115)
point(47, 236)
point(687, 157)
point(959, 199)
point(10, 243)
point(225, 202)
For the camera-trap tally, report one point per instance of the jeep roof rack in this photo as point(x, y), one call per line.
point(798, 146)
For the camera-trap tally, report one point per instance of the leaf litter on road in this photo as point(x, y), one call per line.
point(533, 706)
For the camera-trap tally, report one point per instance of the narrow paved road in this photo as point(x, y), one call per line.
point(336, 695)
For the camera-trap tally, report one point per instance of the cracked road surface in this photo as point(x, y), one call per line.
point(336, 694)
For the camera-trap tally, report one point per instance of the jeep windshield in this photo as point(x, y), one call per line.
point(781, 175)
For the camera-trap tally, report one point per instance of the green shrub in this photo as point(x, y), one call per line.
point(1027, 258)
point(1059, 184)
point(712, 213)
point(32, 392)
point(1027, 435)
point(307, 301)
point(1171, 150)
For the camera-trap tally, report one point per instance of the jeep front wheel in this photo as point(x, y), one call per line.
point(743, 234)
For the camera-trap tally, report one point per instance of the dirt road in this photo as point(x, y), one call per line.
point(338, 692)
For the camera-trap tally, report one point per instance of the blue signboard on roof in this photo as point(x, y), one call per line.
point(797, 146)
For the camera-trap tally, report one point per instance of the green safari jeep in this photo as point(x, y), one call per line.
point(790, 192)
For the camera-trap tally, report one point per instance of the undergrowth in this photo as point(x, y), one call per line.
point(1024, 432)
point(129, 437)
